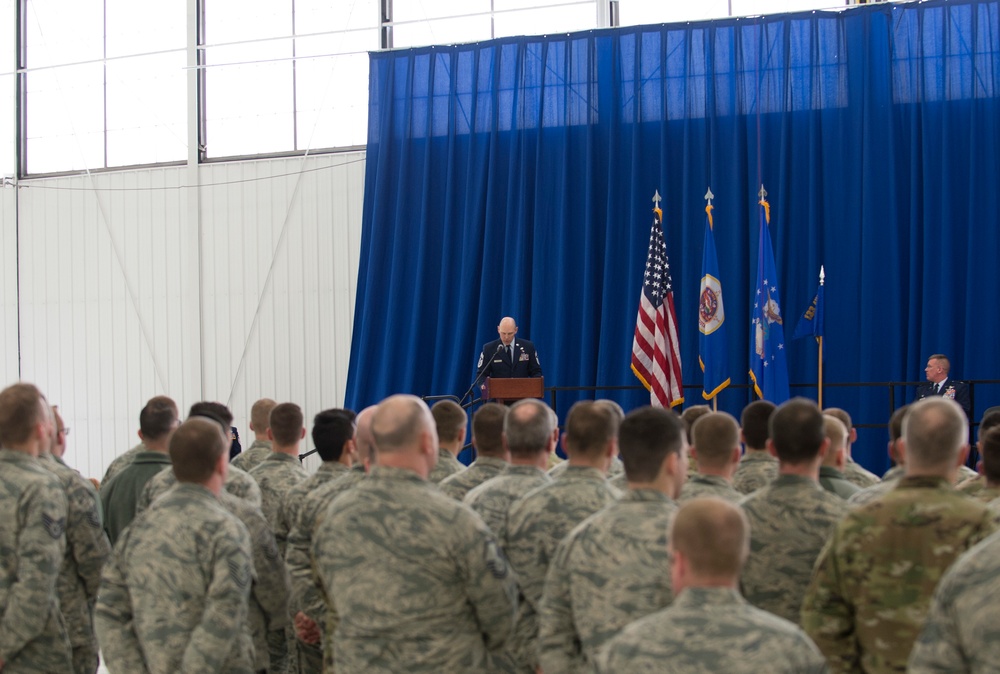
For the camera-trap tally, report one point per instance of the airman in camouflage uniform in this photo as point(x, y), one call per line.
point(33, 512)
point(261, 448)
point(417, 581)
point(333, 436)
point(891, 476)
point(831, 476)
point(718, 455)
point(710, 628)
point(87, 548)
point(868, 599)
point(282, 470)
point(529, 435)
point(757, 467)
point(174, 595)
point(613, 568)
point(985, 487)
point(540, 520)
point(791, 518)
point(451, 424)
point(852, 470)
point(491, 457)
point(961, 634)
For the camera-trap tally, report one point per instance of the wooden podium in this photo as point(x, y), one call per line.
point(512, 389)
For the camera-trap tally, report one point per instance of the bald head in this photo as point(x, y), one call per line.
point(714, 538)
point(507, 330)
point(715, 435)
point(399, 424)
point(527, 428)
point(935, 433)
point(365, 439)
point(195, 449)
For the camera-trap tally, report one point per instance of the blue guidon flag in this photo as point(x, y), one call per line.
point(711, 316)
point(768, 366)
point(656, 353)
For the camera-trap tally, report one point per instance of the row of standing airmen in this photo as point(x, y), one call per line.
point(392, 573)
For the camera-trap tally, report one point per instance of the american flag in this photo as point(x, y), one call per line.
point(656, 354)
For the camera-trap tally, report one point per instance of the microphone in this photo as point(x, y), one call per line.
point(481, 373)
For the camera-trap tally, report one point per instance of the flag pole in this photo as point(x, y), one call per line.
point(822, 276)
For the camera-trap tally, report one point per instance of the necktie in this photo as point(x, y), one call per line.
point(937, 388)
point(510, 355)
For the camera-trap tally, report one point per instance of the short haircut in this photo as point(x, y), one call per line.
point(934, 432)
point(363, 435)
point(195, 448)
point(715, 435)
point(487, 429)
point(943, 362)
point(991, 418)
point(260, 415)
point(691, 415)
point(842, 415)
point(215, 411)
point(528, 428)
point(646, 438)
point(835, 432)
point(896, 423)
point(158, 418)
point(330, 432)
point(589, 428)
point(615, 408)
point(989, 448)
point(450, 419)
point(754, 422)
point(286, 424)
point(796, 429)
point(398, 423)
point(20, 411)
point(713, 535)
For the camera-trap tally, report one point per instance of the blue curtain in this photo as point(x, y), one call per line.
point(515, 177)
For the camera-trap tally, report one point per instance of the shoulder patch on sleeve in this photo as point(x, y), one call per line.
point(239, 573)
point(55, 527)
point(495, 560)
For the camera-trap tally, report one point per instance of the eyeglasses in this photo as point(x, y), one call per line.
point(64, 431)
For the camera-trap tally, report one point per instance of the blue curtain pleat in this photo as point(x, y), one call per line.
point(515, 177)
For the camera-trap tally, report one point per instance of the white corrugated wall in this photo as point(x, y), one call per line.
point(136, 283)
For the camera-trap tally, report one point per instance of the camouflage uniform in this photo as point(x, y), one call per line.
point(877, 490)
point(276, 475)
point(238, 483)
point(790, 521)
point(709, 485)
point(961, 633)
point(972, 485)
point(446, 466)
point(267, 610)
point(609, 571)
point(619, 481)
point(464, 481)
point(855, 474)
point(87, 548)
point(120, 463)
point(310, 657)
point(756, 470)
point(492, 499)
point(874, 580)
point(33, 513)
point(536, 524)
point(834, 482)
point(417, 580)
point(307, 594)
point(174, 594)
point(120, 496)
point(253, 455)
point(965, 474)
point(710, 631)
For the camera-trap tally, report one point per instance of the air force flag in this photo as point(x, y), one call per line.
point(768, 367)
